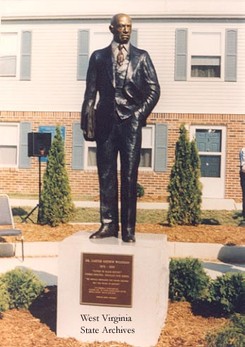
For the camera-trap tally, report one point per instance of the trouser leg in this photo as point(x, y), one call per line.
point(242, 177)
point(108, 183)
point(130, 147)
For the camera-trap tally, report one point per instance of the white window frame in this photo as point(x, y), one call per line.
point(17, 55)
point(14, 143)
point(192, 52)
point(151, 146)
point(213, 187)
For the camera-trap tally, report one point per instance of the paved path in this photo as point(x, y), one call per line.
point(207, 204)
point(42, 258)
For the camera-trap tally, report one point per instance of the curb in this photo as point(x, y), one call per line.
point(211, 251)
point(207, 204)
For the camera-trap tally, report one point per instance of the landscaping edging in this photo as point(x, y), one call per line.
point(211, 251)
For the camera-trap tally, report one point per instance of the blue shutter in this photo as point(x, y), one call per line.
point(161, 145)
point(134, 37)
point(25, 56)
point(181, 55)
point(24, 160)
point(77, 147)
point(82, 54)
point(231, 55)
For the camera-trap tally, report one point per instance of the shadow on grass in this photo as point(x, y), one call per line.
point(237, 215)
point(18, 211)
point(210, 221)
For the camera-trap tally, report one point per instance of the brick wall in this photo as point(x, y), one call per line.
point(84, 184)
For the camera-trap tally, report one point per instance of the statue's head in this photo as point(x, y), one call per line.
point(121, 27)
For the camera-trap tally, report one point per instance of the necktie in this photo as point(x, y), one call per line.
point(120, 56)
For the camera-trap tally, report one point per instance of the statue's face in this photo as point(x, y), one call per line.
point(121, 28)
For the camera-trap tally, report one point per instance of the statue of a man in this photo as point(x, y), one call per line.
point(125, 81)
point(242, 179)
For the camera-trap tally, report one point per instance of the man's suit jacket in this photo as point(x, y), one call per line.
point(141, 89)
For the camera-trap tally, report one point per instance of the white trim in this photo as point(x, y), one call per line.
point(208, 31)
point(18, 51)
point(17, 144)
point(93, 144)
point(213, 187)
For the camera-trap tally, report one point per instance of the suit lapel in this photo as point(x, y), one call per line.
point(109, 64)
point(133, 61)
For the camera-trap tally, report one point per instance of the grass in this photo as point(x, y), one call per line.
point(91, 215)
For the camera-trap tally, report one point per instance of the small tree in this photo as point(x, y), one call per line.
point(56, 205)
point(195, 185)
point(184, 187)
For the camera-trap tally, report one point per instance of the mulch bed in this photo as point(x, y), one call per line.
point(222, 234)
point(36, 327)
point(183, 328)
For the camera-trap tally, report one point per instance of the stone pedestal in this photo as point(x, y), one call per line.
point(136, 319)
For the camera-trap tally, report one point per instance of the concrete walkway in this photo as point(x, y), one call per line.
point(207, 204)
point(42, 258)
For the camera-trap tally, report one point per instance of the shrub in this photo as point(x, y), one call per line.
point(232, 335)
point(23, 287)
point(184, 187)
point(56, 205)
point(226, 293)
point(188, 280)
point(140, 190)
point(4, 296)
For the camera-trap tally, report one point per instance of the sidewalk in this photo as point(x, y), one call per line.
point(42, 258)
point(207, 204)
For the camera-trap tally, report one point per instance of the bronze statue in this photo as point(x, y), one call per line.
point(128, 88)
point(242, 179)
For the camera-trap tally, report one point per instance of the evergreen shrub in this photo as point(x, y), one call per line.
point(232, 335)
point(4, 296)
point(140, 190)
point(188, 279)
point(23, 288)
point(227, 293)
point(56, 203)
point(185, 191)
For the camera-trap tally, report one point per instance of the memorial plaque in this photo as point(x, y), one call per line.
point(106, 279)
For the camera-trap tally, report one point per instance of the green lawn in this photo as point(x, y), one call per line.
point(91, 215)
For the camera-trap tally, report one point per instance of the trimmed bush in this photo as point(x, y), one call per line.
point(226, 293)
point(4, 296)
point(23, 288)
point(188, 280)
point(140, 190)
point(232, 335)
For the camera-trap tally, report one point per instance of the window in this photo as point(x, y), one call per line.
point(146, 156)
point(202, 66)
point(15, 55)
point(206, 55)
point(205, 51)
point(209, 144)
point(9, 145)
point(154, 149)
point(147, 150)
point(8, 54)
point(87, 42)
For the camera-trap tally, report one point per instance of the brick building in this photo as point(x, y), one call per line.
point(198, 50)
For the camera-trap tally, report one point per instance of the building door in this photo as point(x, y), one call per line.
point(211, 147)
